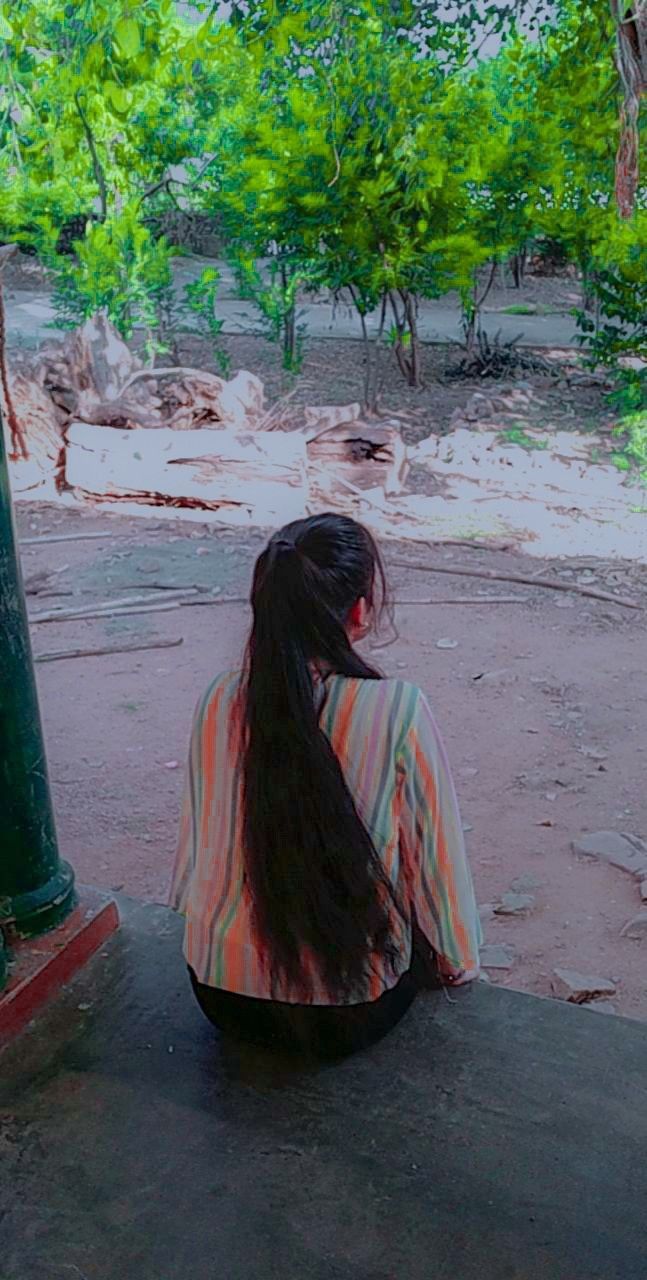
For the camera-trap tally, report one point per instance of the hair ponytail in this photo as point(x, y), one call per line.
point(316, 882)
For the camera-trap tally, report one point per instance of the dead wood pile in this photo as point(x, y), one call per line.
point(94, 420)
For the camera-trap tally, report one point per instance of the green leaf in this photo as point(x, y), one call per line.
point(127, 37)
point(120, 99)
point(6, 29)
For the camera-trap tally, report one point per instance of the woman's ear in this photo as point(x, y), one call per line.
point(359, 619)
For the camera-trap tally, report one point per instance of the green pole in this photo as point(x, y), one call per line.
point(36, 887)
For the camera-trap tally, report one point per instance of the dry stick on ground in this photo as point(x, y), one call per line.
point(269, 418)
point(72, 537)
point(80, 610)
point(162, 586)
point(171, 371)
point(208, 600)
point(57, 654)
point(73, 615)
point(36, 581)
point(470, 600)
point(553, 584)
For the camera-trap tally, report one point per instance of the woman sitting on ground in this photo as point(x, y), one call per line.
point(321, 862)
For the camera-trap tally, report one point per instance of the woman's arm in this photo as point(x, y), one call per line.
point(434, 846)
point(185, 856)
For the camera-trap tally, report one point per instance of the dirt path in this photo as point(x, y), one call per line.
point(546, 744)
point(541, 311)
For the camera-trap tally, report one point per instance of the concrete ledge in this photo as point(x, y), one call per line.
point(493, 1137)
point(41, 966)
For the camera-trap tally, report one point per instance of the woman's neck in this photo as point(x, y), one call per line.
point(319, 671)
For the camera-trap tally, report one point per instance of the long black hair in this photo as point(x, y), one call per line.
point(317, 885)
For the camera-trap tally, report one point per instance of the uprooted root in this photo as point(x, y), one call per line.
point(495, 359)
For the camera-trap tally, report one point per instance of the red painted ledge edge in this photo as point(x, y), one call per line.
point(43, 965)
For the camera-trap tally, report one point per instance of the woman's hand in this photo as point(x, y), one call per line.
point(455, 977)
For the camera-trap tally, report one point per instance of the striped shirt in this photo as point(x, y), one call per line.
point(389, 748)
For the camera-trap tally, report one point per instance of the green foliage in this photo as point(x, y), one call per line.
point(201, 298)
point(520, 309)
point(120, 269)
point(632, 457)
point(343, 171)
point(621, 294)
point(359, 148)
point(518, 436)
point(275, 296)
point(100, 109)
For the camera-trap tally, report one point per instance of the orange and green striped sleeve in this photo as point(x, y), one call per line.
point(432, 840)
point(187, 844)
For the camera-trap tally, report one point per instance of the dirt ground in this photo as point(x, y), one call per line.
point(541, 702)
point(333, 373)
point(333, 368)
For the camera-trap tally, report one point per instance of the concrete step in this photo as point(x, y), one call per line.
point(488, 1137)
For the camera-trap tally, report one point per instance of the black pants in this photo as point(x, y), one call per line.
point(319, 1031)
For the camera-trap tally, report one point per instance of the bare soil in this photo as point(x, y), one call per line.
point(333, 373)
point(547, 743)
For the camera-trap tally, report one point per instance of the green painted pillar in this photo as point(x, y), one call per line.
point(36, 888)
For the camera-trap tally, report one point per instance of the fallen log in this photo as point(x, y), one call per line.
point(257, 476)
point(36, 464)
point(57, 654)
point(356, 456)
point(552, 584)
point(204, 399)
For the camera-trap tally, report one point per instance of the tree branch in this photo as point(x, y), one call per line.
point(99, 175)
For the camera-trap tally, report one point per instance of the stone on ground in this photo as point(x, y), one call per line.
point(526, 883)
point(514, 904)
point(580, 988)
point(636, 928)
point(620, 849)
point(497, 955)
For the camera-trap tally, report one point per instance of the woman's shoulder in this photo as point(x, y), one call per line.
point(221, 691)
point(403, 696)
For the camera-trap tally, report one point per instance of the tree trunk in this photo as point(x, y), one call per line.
point(372, 353)
point(518, 264)
point(252, 478)
point(412, 320)
point(631, 61)
point(289, 338)
point(472, 315)
point(407, 353)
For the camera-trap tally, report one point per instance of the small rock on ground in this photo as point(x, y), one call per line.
point(514, 904)
point(620, 849)
point(580, 988)
point(636, 928)
point(643, 891)
point(497, 955)
point(526, 883)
